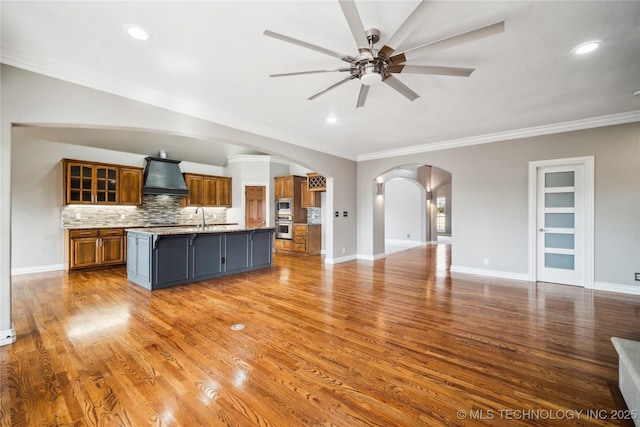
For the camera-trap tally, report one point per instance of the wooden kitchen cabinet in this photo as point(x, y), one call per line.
point(287, 187)
point(195, 185)
point(92, 183)
point(112, 246)
point(307, 239)
point(207, 190)
point(284, 245)
point(130, 185)
point(309, 199)
point(224, 191)
point(283, 187)
point(316, 182)
point(91, 248)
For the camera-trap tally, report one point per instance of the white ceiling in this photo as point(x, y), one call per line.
point(211, 59)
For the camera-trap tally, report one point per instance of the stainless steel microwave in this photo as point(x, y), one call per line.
point(284, 206)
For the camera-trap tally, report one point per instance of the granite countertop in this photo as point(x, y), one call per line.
point(140, 226)
point(214, 228)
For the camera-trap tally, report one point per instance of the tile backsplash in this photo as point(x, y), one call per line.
point(155, 210)
point(313, 215)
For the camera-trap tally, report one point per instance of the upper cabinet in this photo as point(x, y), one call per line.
point(310, 199)
point(101, 183)
point(130, 185)
point(283, 187)
point(287, 187)
point(207, 190)
point(316, 182)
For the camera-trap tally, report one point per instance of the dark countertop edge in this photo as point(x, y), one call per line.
point(179, 230)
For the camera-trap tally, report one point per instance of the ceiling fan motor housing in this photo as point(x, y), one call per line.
point(370, 73)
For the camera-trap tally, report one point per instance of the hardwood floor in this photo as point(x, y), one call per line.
point(395, 342)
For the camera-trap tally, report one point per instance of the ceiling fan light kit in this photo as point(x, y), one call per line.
point(372, 66)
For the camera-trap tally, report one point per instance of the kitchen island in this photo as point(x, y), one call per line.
point(168, 256)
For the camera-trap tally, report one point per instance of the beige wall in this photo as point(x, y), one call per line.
point(490, 204)
point(35, 99)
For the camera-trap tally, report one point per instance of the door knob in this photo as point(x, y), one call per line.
point(541, 229)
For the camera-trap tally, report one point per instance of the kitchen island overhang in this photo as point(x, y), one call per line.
point(162, 257)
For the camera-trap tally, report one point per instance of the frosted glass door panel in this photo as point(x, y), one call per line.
point(559, 200)
point(559, 179)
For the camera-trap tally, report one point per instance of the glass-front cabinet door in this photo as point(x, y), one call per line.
point(88, 183)
point(106, 185)
point(80, 185)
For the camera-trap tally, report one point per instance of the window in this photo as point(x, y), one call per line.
point(441, 217)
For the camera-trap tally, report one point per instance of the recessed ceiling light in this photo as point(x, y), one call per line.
point(137, 32)
point(331, 119)
point(587, 47)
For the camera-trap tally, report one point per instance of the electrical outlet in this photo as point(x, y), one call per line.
point(337, 214)
point(122, 216)
point(486, 261)
point(345, 214)
point(344, 250)
point(637, 275)
point(78, 215)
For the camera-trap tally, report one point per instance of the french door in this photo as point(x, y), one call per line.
point(562, 223)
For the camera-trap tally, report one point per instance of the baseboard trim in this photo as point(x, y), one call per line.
point(371, 257)
point(7, 337)
point(339, 259)
point(616, 287)
point(36, 269)
point(499, 274)
point(403, 242)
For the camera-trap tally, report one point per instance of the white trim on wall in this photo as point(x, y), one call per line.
point(339, 260)
point(36, 269)
point(589, 185)
point(499, 274)
point(572, 125)
point(7, 336)
point(615, 287)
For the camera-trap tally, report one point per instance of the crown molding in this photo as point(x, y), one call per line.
point(589, 123)
point(94, 80)
point(70, 73)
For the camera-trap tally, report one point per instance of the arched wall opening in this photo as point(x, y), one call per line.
point(413, 206)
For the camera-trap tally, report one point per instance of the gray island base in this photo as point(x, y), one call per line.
point(162, 257)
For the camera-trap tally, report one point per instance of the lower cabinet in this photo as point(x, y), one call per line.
point(207, 255)
point(307, 240)
point(161, 261)
point(94, 247)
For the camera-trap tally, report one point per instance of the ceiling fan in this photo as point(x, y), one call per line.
point(372, 65)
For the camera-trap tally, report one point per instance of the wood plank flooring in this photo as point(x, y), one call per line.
point(395, 342)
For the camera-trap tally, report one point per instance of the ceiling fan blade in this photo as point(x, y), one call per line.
point(407, 27)
point(401, 87)
point(355, 24)
point(333, 86)
point(362, 96)
point(346, 58)
point(427, 69)
point(297, 73)
point(448, 42)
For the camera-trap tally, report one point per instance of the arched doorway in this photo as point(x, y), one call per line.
point(415, 203)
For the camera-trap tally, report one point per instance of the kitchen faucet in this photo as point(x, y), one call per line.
point(204, 223)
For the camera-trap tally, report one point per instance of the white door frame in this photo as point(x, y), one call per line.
point(589, 185)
